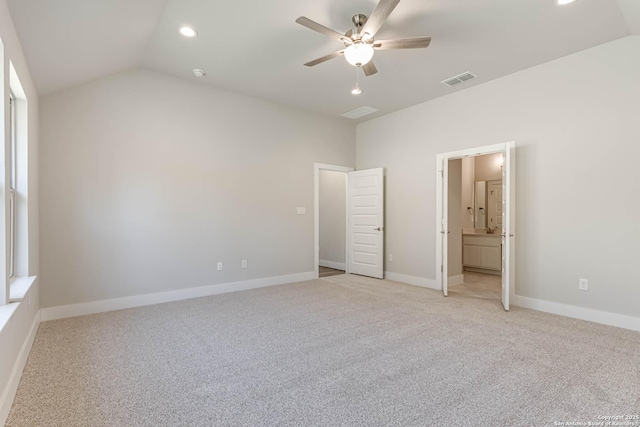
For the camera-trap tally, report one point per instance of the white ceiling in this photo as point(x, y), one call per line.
point(256, 48)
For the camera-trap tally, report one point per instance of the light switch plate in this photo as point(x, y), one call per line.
point(244, 263)
point(302, 210)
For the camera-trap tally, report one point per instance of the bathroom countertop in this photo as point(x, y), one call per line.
point(482, 234)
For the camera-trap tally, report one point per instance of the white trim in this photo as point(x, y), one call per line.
point(331, 264)
point(316, 212)
point(20, 286)
point(455, 280)
point(93, 307)
point(423, 282)
point(11, 388)
point(589, 314)
point(6, 312)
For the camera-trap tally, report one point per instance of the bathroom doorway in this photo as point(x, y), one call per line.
point(475, 237)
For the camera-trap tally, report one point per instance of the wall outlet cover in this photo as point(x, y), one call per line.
point(583, 284)
point(219, 266)
point(302, 210)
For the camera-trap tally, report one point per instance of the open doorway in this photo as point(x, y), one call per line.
point(475, 204)
point(363, 221)
point(331, 182)
point(333, 223)
point(475, 226)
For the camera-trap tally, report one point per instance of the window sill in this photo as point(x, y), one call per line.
point(6, 311)
point(19, 288)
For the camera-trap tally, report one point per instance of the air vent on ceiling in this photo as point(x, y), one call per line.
point(359, 112)
point(460, 78)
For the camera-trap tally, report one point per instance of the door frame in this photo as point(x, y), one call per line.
point(441, 198)
point(317, 167)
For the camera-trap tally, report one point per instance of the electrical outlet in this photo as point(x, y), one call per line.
point(583, 284)
point(301, 210)
point(219, 266)
point(244, 263)
point(390, 258)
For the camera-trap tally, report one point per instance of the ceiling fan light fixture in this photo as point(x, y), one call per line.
point(563, 2)
point(356, 90)
point(188, 31)
point(358, 54)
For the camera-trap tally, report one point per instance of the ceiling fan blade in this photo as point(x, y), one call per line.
point(324, 58)
point(412, 43)
point(369, 68)
point(312, 25)
point(378, 16)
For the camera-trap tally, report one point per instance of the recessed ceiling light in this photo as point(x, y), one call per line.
point(188, 31)
point(563, 2)
point(198, 72)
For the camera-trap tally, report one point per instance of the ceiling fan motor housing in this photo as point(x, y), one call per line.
point(359, 20)
point(355, 34)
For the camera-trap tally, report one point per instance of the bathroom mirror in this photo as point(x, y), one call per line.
point(480, 204)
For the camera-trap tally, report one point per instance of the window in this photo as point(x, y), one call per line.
point(12, 187)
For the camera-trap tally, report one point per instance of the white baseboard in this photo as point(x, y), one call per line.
point(455, 280)
point(412, 280)
point(93, 307)
point(331, 264)
point(8, 394)
point(597, 316)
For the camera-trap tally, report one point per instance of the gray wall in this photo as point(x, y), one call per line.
point(575, 123)
point(333, 216)
point(148, 181)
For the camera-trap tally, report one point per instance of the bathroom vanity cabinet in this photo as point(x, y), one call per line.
point(482, 252)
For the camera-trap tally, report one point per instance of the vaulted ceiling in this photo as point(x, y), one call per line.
point(255, 47)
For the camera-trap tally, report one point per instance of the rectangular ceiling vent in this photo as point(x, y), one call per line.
point(359, 112)
point(460, 78)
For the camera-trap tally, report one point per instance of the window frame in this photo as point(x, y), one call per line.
point(12, 186)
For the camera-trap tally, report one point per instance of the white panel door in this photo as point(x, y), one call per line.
point(508, 222)
point(366, 223)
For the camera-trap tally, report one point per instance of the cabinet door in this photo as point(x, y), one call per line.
point(487, 257)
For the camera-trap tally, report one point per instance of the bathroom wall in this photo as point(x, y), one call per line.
point(454, 260)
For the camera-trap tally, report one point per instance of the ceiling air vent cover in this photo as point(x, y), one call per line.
point(359, 112)
point(460, 78)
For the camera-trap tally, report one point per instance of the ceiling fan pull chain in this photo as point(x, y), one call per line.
point(357, 90)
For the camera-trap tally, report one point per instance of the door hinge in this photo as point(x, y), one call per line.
point(441, 269)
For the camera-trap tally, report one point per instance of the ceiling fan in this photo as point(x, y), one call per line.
point(359, 42)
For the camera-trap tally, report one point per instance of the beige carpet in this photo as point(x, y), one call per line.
point(344, 350)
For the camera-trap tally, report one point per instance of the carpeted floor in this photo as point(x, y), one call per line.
point(344, 350)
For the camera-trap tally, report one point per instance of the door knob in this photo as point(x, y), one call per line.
point(378, 229)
